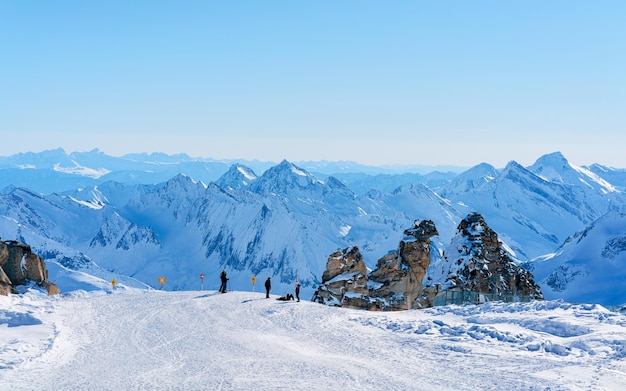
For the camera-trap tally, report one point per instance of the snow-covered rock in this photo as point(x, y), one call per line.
point(476, 261)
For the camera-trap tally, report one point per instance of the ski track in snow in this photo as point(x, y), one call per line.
point(153, 340)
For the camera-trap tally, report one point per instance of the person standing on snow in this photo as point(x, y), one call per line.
point(224, 280)
point(297, 290)
point(268, 287)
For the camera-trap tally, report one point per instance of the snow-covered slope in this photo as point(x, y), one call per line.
point(615, 176)
point(590, 266)
point(201, 340)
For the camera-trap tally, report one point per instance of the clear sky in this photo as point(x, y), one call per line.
point(377, 82)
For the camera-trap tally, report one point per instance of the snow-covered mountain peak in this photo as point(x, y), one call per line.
point(482, 169)
point(285, 177)
point(471, 179)
point(338, 186)
point(180, 191)
point(520, 175)
point(184, 182)
point(554, 159)
point(93, 153)
point(512, 166)
point(238, 176)
point(418, 189)
point(554, 167)
point(40, 160)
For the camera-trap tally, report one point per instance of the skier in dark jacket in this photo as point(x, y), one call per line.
point(224, 280)
point(297, 291)
point(268, 287)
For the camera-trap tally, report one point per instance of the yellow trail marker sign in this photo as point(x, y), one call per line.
point(161, 280)
point(113, 283)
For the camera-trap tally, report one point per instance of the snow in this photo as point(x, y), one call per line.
point(298, 171)
point(589, 266)
point(137, 339)
point(80, 170)
point(89, 204)
point(246, 174)
point(344, 230)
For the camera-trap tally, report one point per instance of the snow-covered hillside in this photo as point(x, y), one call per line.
point(202, 340)
point(590, 266)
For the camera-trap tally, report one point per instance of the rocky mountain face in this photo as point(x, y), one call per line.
point(19, 265)
point(477, 261)
point(395, 284)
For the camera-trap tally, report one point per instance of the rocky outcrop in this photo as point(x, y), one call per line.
point(475, 265)
point(477, 262)
point(18, 265)
point(395, 284)
point(345, 280)
point(5, 284)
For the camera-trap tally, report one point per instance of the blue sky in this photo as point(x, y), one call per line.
point(408, 82)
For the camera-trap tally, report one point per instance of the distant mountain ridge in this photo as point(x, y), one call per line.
point(56, 171)
point(284, 221)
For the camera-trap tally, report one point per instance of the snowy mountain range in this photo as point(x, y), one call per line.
point(142, 217)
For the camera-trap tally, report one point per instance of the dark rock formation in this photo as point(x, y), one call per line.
point(395, 284)
point(18, 265)
point(477, 262)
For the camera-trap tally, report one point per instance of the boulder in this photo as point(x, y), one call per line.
point(345, 279)
point(6, 287)
point(18, 265)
